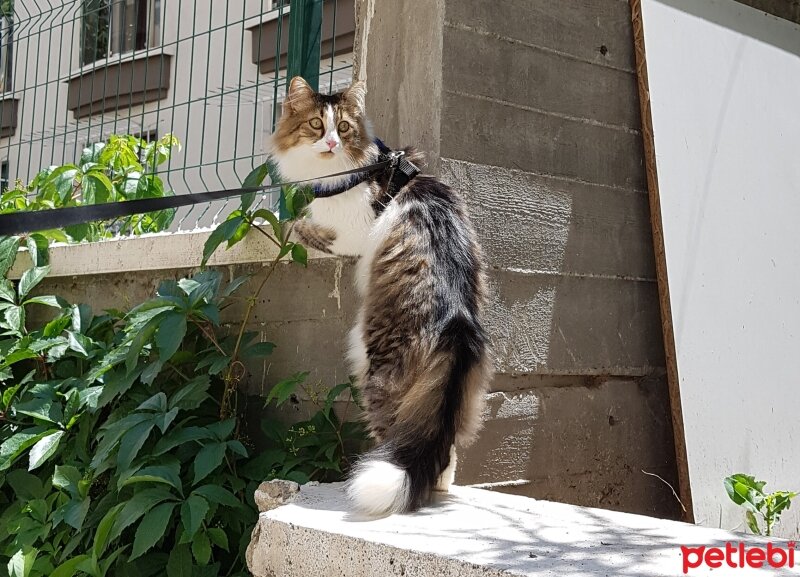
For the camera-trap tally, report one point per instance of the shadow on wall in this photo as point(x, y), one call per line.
point(753, 27)
point(579, 407)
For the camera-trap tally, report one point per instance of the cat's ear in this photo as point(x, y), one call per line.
point(357, 94)
point(299, 91)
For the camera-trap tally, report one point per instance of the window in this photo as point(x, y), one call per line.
point(119, 26)
point(4, 176)
point(6, 48)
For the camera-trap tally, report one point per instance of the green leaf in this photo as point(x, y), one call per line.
point(140, 339)
point(744, 490)
point(192, 394)
point(179, 437)
point(157, 403)
point(44, 449)
point(17, 444)
point(168, 474)
point(284, 389)
point(15, 319)
point(56, 326)
point(254, 179)
point(75, 512)
point(193, 511)
point(79, 343)
point(222, 429)
point(237, 447)
point(50, 301)
point(201, 287)
point(151, 529)
point(137, 506)
point(240, 233)
point(96, 188)
point(78, 232)
point(180, 562)
point(201, 548)
point(103, 533)
point(330, 398)
point(164, 420)
point(116, 383)
point(31, 278)
point(9, 245)
point(92, 153)
point(41, 407)
point(752, 522)
point(272, 219)
point(63, 180)
point(7, 292)
point(19, 355)
point(208, 458)
point(257, 350)
point(8, 396)
point(25, 486)
point(234, 285)
point(81, 318)
point(21, 563)
point(89, 397)
point(219, 495)
point(218, 537)
point(297, 476)
point(131, 443)
point(222, 233)
point(37, 249)
point(170, 334)
point(67, 477)
point(70, 567)
point(300, 254)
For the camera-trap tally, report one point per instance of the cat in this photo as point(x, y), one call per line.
point(419, 349)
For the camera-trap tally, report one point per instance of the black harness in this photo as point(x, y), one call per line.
point(392, 163)
point(399, 172)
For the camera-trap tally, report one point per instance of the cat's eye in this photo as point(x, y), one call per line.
point(315, 123)
point(343, 127)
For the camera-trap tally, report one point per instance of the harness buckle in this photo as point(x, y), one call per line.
point(394, 157)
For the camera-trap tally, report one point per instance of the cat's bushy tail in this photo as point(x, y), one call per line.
point(443, 404)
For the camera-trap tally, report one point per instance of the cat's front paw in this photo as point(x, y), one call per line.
point(317, 237)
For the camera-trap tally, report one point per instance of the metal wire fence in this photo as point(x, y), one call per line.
point(213, 73)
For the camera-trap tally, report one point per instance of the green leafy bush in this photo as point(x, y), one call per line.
point(748, 493)
point(122, 449)
point(124, 168)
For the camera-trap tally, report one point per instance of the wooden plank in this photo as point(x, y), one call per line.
point(496, 68)
point(668, 331)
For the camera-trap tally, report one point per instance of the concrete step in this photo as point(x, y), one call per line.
point(472, 532)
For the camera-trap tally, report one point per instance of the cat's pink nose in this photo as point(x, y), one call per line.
point(331, 144)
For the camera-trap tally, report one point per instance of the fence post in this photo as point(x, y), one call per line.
point(305, 29)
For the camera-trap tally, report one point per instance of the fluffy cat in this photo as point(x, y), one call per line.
point(419, 348)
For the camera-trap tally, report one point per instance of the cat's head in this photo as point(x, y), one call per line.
point(321, 127)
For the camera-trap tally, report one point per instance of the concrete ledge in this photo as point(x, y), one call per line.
point(160, 251)
point(473, 532)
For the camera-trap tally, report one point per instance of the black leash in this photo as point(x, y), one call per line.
point(33, 221)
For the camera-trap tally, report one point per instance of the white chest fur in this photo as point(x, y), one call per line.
point(349, 214)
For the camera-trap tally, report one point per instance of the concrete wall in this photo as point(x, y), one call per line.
point(530, 109)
